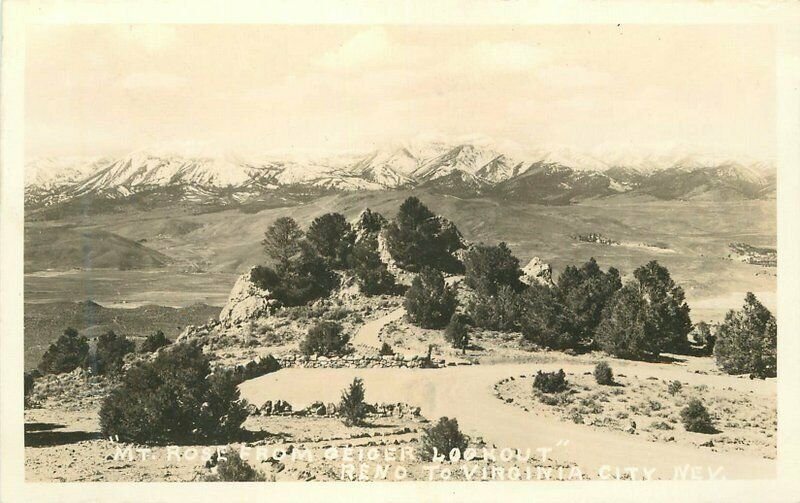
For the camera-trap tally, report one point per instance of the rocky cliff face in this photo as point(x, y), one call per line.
point(246, 301)
point(537, 272)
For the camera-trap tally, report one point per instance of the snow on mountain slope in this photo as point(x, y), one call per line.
point(51, 172)
point(553, 174)
point(466, 158)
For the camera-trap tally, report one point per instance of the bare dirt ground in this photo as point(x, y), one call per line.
point(66, 446)
point(644, 406)
point(467, 393)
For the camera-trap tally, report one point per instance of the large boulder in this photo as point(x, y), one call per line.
point(537, 271)
point(246, 302)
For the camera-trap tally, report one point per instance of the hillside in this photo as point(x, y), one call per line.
point(65, 247)
point(44, 323)
point(691, 237)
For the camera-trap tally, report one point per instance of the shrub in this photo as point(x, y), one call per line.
point(154, 341)
point(457, 332)
point(417, 238)
point(371, 273)
point(386, 350)
point(603, 374)
point(441, 439)
point(487, 268)
point(696, 418)
point(496, 312)
point(674, 387)
point(747, 341)
point(332, 237)
point(430, 302)
point(232, 468)
point(550, 382)
point(173, 398)
point(109, 353)
point(66, 354)
point(352, 407)
point(544, 320)
point(325, 338)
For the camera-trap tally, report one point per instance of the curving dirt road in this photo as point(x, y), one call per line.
point(466, 394)
point(367, 335)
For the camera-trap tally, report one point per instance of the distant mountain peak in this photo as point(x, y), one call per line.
point(554, 175)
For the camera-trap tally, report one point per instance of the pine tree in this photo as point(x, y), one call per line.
point(352, 407)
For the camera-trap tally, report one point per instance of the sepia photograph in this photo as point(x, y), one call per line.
point(399, 253)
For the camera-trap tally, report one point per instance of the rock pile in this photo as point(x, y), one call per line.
point(537, 271)
point(71, 390)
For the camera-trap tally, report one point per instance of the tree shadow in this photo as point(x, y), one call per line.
point(42, 426)
point(50, 438)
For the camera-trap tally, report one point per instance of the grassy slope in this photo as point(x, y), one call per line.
point(45, 322)
point(697, 232)
point(65, 247)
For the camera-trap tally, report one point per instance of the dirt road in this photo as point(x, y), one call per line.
point(466, 394)
point(367, 335)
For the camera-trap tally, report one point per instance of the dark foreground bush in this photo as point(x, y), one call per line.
point(66, 354)
point(603, 374)
point(174, 398)
point(352, 407)
point(550, 382)
point(154, 342)
point(441, 439)
point(386, 350)
point(232, 468)
point(109, 353)
point(324, 338)
point(696, 418)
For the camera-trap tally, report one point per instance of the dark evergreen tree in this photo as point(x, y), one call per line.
point(109, 353)
point(332, 237)
point(747, 341)
point(371, 273)
point(667, 304)
point(544, 320)
point(584, 293)
point(457, 332)
point(352, 407)
point(500, 312)
point(487, 268)
point(417, 238)
point(282, 241)
point(430, 302)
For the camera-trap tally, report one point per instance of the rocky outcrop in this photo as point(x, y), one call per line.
point(537, 272)
point(246, 302)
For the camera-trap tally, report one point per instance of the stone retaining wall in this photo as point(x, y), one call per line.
point(360, 361)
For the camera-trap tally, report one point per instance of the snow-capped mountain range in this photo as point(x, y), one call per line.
point(556, 175)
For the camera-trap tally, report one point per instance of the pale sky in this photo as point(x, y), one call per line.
point(111, 89)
